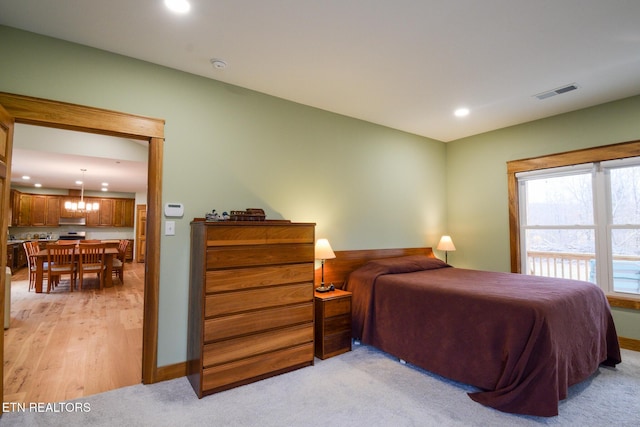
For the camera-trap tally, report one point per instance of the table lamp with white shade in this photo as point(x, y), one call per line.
point(323, 252)
point(446, 245)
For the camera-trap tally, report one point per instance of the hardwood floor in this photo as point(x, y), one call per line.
point(65, 345)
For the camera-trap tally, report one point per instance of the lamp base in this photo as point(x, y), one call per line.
point(323, 289)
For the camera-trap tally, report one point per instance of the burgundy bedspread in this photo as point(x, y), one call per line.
point(523, 340)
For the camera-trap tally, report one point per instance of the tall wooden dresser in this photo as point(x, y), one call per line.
point(251, 306)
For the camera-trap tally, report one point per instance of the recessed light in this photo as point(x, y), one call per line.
point(37, 184)
point(178, 6)
point(26, 177)
point(461, 112)
point(78, 182)
point(105, 184)
point(104, 189)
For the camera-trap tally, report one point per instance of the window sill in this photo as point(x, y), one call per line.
point(622, 302)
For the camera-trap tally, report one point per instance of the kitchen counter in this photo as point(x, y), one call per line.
point(16, 256)
point(17, 241)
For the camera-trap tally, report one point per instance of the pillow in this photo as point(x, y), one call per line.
point(408, 264)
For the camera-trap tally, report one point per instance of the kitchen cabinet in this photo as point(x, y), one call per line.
point(93, 217)
point(112, 213)
point(14, 211)
point(16, 256)
point(123, 212)
point(41, 210)
point(22, 213)
point(64, 213)
point(10, 257)
point(38, 210)
point(33, 209)
point(45, 210)
point(106, 212)
point(20, 256)
point(52, 217)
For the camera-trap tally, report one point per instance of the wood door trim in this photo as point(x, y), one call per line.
point(6, 148)
point(48, 113)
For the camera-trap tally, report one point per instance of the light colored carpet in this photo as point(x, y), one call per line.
point(362, 388)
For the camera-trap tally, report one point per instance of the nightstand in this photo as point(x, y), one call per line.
point(333, 323)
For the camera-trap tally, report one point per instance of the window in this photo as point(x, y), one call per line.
point(557, 224)
point(578, 220)
point(583, 223)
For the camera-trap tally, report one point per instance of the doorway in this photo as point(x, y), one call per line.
point(56, 114)
point(63, 346)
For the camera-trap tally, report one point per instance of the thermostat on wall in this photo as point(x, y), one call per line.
point(173, 209)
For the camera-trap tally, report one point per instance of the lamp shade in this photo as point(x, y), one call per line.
point(323, 250)
point(446, 244)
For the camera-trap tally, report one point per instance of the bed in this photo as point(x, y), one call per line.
point(521, 340)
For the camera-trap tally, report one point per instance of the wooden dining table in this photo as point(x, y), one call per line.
point(41, 258)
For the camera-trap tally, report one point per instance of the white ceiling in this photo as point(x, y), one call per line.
point(406, 64)
point(55, 158)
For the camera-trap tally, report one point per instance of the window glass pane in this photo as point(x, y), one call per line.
point(625, 195)
point(561, 253)
point(625, 247)
point(560, 200)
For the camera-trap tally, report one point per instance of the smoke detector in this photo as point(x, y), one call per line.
point(218, 64)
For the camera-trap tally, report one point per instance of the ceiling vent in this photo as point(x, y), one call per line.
point(558, 91)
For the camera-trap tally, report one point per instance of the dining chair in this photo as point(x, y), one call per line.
point(60, 260)
point(31, 249)
point(118, 260)
point(91, 260)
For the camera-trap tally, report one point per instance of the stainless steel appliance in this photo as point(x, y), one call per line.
point(72, 221)
point(73, 235)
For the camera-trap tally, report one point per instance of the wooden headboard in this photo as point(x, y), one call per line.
point(337, 270)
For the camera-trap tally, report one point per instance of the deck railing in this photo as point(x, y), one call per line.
point(579, 266)
point(560, 264)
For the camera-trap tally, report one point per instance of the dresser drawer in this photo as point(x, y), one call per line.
point(225, 351)
point(246, 256)
point(243, 234)
point(254, 299)
point(333, 325)
point(336, 344)
point(248, 323)
point(254, 277)
point(337, 307)
point(243, 371)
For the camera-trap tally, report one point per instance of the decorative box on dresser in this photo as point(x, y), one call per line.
point(333, 323)
point(251, 302)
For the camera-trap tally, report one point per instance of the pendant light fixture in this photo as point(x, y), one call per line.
point(81, 206)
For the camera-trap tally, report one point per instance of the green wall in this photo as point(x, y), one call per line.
point(477, 199)
point(364, 185)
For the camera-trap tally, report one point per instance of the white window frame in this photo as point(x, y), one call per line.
point(523, 178)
